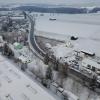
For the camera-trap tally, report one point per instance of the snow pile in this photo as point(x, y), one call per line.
point(61, 51)
point(48, 45)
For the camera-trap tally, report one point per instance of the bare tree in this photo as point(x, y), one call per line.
point(63, 72)
point(49, 73)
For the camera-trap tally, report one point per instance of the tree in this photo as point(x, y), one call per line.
point(49, 73)
point(46, 59)
point(56, 65)
point(24, 14)
point(7, 51)
point(93, 82)
point(24, 66)
point(9, 22)
point(3, 36)
point(63, 72)
point(4, 28)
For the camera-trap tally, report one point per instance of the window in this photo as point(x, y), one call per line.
point(93, 68)
point(88, 66)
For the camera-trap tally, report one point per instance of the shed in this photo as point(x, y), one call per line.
point(70, 96)
point(59, 92)
point(24, 59)
point(87, 52)
point(54, 87)
point(90, 63)
point(17, 45)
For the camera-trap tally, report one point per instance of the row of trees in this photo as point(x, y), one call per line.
point(54, 64)
point(7, 51)
point(8, 24)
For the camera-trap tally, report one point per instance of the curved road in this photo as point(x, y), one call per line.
point(32, 41)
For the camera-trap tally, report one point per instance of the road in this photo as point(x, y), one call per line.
point(32, 40)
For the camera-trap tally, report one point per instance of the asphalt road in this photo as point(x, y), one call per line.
point(32, 38)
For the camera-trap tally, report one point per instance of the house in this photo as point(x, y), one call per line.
point(91, 65)
point(88, 53)
point(59, 92)
point(69, 95)
point(53, 87)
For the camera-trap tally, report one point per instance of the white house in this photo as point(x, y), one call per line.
point(70, 95)
point(53, 87)
point(92, 65)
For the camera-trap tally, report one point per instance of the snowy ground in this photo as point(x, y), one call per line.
point(46, 43)
point(16, 85)
point(81, 25)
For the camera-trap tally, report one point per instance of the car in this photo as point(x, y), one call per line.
point(52, 19)
point(74, 38)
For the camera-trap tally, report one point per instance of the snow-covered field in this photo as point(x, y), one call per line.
point(81, 25)
point(84, 26)
point(16, 85)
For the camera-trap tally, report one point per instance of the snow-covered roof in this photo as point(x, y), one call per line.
point(24, 59)
point(55, 84)
point(88, 45)
point(70, 95)
point(87, 61)
point(17, 18)
point(61, 51)
point(48, 45)
point(15, 85)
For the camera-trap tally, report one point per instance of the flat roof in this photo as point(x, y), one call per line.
point(15, 85)
point(91, 62)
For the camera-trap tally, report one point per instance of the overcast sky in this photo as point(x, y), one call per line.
point(49, 1)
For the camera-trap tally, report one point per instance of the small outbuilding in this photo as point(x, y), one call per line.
point(54, 87)
point(90, 64)
point(17, 45)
